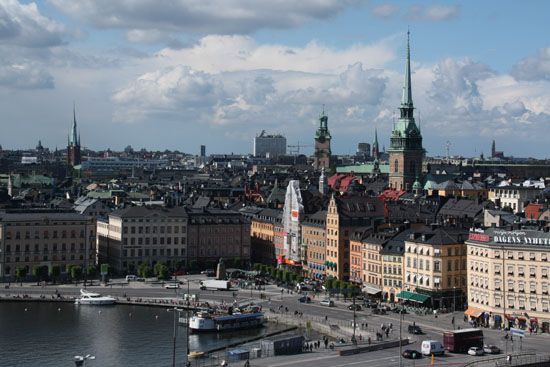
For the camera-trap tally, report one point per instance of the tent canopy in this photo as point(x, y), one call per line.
point(413, 296)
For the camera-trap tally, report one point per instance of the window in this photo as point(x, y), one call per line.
point(395, 166)
point(437, 266)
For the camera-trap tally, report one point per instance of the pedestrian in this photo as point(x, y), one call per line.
point(369, 340)
point(326, 318)
point(387, 332)
point(453, 320)
point(247, 363)
point(326, 343)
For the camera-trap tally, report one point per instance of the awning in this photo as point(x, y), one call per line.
point(371, 289)
point(473, 312)
point(412, 296)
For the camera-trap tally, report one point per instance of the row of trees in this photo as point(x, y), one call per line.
point(332, 285)
point(40, 273)
point(160, 270)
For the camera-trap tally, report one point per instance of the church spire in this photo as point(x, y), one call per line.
point(73, 137)
point(375, 146)
point(406, 100)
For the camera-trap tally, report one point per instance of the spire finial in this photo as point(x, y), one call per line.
point(407, 92)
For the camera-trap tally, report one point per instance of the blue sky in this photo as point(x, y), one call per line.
point(191, 72)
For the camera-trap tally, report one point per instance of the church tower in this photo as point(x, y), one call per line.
point(406, 152)
point(375, 148)
point(73, 144)
point(322, 144)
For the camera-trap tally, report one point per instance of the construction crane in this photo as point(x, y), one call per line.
point(295, 149)
point(448, 147)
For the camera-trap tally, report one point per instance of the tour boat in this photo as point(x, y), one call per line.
point(205, 321)
point(89, 298)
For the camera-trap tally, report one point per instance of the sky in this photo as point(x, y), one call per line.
point(176, 74)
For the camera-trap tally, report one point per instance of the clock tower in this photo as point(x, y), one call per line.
point(322, 144)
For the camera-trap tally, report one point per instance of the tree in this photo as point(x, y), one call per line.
point(20, 273)
point(76, 272)
point(273, 272)
point(287, 277)
point(131, 268)
point(144, 270)
point(279, 275)
point(329, 284)
point(299, 278)
point(161, 271)
point(91, 272)
point(55, 272)
point(237, 263)
point(193, 265)
point(40, 273)
point(257, 266)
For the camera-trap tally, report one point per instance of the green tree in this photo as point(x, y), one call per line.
point(131, 268)
point(329, 284)
point(161, 271)
point(279, 275)
point(193, 265)
point(257, 266)
point(299, 278)
point(287, 277)
point(55, 272)
point(20, 273)
point(237, 263)
point(273, 272)
point(91, 272)
point(40, 273)
point(76, 272)
point(144, 270)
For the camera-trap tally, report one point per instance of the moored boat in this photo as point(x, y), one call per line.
point(205, 321)
point(90, 298)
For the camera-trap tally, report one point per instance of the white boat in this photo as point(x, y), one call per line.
point(89, 298)
point(205, 321)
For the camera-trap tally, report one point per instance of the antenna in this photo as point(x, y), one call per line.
point(448, 147)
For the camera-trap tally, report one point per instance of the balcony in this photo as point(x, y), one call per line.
point(511, 273)
point(497, 288)
point(521, 274)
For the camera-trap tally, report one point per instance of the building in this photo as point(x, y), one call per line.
point(216, 233)
point(513, 197)
point(262, 236)
point(315, 241)
point(178, 237)
point(73, 145)
point(203, 151)
point(36, 239)
point(345, 216)
point(322, 154)
point(269, 146)
point(435, 267)
point(293, 212)
point(406, 152)
point(143, 234)
point(371, 262)
point(392, 255)
point(508, 277)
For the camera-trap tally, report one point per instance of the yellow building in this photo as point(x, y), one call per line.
point(508, 276)
point(435, 267)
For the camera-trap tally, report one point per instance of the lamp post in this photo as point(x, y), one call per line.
point(176, 313)
point(454, 306)
point(400, 336)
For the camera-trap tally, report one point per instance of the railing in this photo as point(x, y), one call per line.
point(511, 360)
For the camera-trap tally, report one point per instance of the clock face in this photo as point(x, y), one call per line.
point(321, 139)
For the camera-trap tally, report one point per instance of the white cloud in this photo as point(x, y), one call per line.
point(385, 10)
point(433, 12)
point(233, 53)
point(23, 25)
point(199, 16)
point(25, 76)
point(536, 67)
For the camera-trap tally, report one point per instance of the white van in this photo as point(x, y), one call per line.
point(131, 277)
point(430, 347)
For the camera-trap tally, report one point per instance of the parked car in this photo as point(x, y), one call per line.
point(370, 303)
point(415, 329)
point(131, 277)
point(378, 311)
point(209, 272)
point(491, 349)
point(304, 299)
point(172, 286)
point(411, 354)
point(354, 307)
point(327, 302)
point(476, 351)
point(434, 347)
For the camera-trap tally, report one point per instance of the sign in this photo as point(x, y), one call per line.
point(104, 269)
point(480, 237)
point(295, 215)
point(517, 332)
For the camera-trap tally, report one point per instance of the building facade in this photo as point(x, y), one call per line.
point(513, 197)
point(269, 146)
point(406, 153)
point(36, 239)
point(314, 240)
point(322, 152)
point(435, 267)
point(508, 276)
point(175, 236)
point(262, 236)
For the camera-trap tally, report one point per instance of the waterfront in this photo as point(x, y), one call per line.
point(51, 334)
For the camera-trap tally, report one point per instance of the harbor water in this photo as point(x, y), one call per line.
point(51, 334)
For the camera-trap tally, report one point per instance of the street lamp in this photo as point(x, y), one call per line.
point(79, 360)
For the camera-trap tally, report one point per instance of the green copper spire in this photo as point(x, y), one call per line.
point(73, 138)
point(406, 100)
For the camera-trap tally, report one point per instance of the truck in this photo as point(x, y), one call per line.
point(459, 341)
point(221, 285)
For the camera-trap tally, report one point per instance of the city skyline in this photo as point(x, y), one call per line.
point(184, 75)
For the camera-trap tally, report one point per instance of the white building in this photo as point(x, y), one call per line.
point(270, 146)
